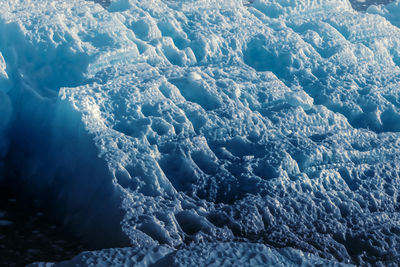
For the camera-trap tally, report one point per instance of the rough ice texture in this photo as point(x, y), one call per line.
point(363, 5)
point(389, 12)
point(174, 122)
point(213, 254)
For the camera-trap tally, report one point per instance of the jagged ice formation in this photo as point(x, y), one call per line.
point(172, 122)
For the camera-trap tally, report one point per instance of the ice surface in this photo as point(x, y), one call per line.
point(5, 111)
point(3, 73)
point(173, 122)
point(389, 11)
point(117, 257)
point(363, 5)
point(213, 254)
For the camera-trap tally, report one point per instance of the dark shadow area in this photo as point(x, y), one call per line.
point(28, 233)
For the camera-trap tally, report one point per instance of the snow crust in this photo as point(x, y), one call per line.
point(171, 122)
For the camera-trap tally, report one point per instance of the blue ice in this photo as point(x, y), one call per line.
point(159, 124)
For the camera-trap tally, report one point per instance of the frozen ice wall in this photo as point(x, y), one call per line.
point(44, 48)
point(173, 122)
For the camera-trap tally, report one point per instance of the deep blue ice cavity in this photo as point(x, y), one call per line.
point(177, 122)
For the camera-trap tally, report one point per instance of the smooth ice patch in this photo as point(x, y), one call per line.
point(299, 99)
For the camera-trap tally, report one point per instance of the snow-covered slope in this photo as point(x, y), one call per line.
point(171, 122)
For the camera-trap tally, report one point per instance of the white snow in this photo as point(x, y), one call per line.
point(3, 73)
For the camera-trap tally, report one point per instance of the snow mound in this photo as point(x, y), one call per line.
point(172, 122)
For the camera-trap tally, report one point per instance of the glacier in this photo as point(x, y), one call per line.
point(180, 128)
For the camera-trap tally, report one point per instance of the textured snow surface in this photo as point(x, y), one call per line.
point(363, 5)
point(214, 254)
point(170, 122)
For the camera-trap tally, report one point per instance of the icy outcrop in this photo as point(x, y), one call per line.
point(44, 48)
point(174, 122)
